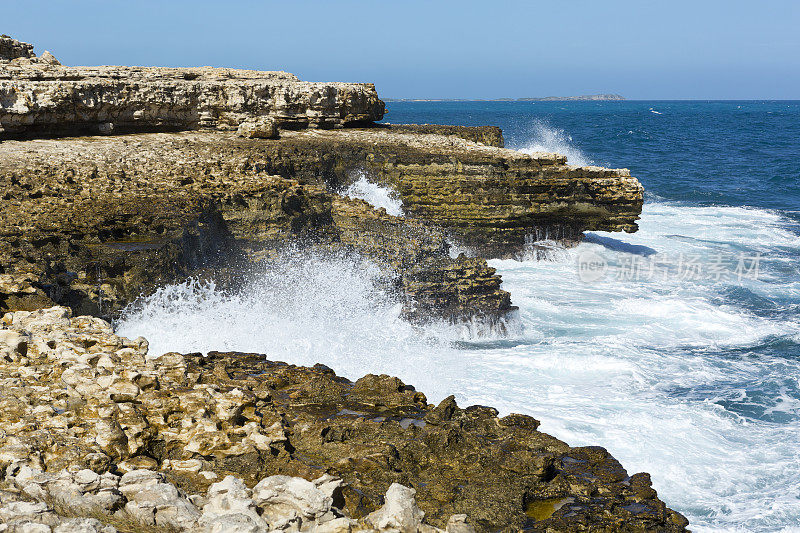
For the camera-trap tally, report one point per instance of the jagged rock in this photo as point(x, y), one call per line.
point(153, 501)
point(488, 135)
point(48, 59)
point(105, 220)
point(491, 199)
point(230, 508)
point(289, 501)
point(145, 501)
point(197, 419)
point(22, 291)
point(400, 512)
point(12, 49)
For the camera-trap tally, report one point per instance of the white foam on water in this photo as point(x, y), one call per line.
point(375, 194)
point(302, 309)
point(546, 138)
point(668, 374)
point(649, 368)
point(641, 367)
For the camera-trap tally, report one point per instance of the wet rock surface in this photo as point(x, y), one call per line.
point(75, 397)
point(97, 434)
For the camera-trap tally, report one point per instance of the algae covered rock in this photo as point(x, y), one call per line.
point(191, 420)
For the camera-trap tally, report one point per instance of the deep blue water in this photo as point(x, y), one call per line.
point(706, 153)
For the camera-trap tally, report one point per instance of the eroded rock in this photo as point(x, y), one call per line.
point(104, 220)
point(143, 501)
point(41, 96)
point(164, 455)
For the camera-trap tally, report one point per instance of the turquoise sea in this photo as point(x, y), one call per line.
point(682, 358)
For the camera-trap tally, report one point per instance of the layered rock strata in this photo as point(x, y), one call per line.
point(81, 406)
point(182, 441)
point(460, 179)
point(96, 222)
point(491, 199)
point(41, 97)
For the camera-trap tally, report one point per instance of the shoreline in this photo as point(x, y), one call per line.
point(116, 197)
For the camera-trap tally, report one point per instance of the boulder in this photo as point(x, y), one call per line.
point(258, 128)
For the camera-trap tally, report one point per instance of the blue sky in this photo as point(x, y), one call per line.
point(705, 49)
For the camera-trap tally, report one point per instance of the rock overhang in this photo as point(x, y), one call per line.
point(189, 193)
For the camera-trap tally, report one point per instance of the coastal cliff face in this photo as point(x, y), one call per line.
point(490, 199)
point(100, 221)
point(41, 97)
point(13, 49)
point(92, 223)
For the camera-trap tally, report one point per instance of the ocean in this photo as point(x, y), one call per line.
point(677, 347)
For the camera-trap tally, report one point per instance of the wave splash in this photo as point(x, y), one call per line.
point(692, 380)
point(307, 308)
point(685, 379)
point(546, 138)
point(375, 194)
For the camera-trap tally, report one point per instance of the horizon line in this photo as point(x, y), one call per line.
point(577, 99)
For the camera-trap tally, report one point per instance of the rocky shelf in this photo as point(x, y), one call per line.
point(81, 406)
point(209, 173)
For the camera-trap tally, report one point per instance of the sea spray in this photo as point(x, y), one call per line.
point(307, 308)
point(546, 138)
point(696, 381)
point(674, 373)
point(374, 194)
point(674, 376)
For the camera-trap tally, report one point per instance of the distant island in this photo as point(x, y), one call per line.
point(586, 97)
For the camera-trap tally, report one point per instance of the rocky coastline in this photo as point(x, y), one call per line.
point(117, 180)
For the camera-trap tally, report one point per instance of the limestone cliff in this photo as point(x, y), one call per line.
point(94, 222)
point(39, 97)
point(13, 49)
point(490, 198)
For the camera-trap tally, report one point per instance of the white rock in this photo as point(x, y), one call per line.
point(48, 58)
point(285, 499)
point(259, 128)
point(458, 524)
point(337, 525)
point(230, 508)
point(400, 512)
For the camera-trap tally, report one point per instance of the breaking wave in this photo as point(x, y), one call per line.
point(695, 380)
point(375, 194)
point(545, 138)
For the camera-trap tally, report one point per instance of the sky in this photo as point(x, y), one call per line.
point(700, 49)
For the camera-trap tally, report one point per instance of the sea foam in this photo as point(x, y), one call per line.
point(374, 194)
point(546, 138)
